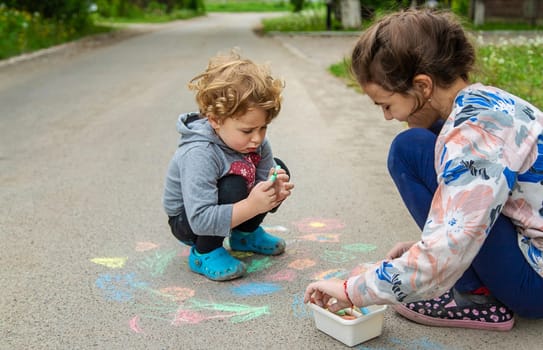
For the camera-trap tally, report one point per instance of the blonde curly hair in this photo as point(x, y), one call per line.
point(231, 85)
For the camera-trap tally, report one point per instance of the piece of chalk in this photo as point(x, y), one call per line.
point(274, 175)
point(365, 310)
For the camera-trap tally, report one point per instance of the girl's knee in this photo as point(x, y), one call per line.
point(410, 143)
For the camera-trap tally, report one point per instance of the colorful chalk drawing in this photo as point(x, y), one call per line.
point(317, 225)
point(302, 264)
point(322, 237)
point(235, 312)
point(132, 280)
point(159, 262)
point(328, 274)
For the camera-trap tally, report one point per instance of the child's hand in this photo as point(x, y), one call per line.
point(322, 293)
point(281, 184)
point(263, 197)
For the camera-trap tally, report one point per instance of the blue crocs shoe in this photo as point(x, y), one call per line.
point(217, 265)
point(258, 241)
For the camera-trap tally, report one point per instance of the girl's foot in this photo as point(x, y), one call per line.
point(258, 241)
point(217, 265)
point(455, 309)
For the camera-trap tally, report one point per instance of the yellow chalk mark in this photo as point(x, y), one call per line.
point(113, 263)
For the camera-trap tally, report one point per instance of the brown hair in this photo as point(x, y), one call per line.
point(232, 85)
point(401, 45)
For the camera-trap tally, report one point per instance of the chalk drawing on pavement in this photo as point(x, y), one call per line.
point(139, 278)
point(318, 225)
point(302, 264)
point(113, 263)
point(322, 237)
point(145, 246)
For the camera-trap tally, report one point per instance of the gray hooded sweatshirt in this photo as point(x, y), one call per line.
point(200, 160)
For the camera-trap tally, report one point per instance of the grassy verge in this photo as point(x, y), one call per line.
point(149, 17)
point(303, 21)
point(516, 69)
point(247, 6)
point(22, 32)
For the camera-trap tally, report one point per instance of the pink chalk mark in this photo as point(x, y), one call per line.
point(179, 294)
point(185, 252)
point(145, 246)
point(191, 317)
point(134, 324)
point(284, 275)
point(301, 264)
point(187, 316)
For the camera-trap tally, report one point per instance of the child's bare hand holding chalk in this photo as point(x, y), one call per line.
point(280, 179)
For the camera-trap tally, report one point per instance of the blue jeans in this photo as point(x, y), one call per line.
point(500, 265)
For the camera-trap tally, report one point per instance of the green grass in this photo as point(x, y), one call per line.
point(148, 17)
point(22, 32)
point(247, 6)
point(505, 26)
point(303, 21)
point(517, 69)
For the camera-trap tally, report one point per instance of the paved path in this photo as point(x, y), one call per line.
point(87, 260)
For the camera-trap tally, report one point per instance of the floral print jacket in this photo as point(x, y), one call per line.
point(489, 160)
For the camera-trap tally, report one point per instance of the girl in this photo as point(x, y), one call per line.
point(470, 171)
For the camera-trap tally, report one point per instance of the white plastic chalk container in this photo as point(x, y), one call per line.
point(350, 332)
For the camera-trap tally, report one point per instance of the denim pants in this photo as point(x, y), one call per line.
point(231, 189)
point(500, 265)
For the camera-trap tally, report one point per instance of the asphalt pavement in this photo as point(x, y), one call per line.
point(87, 260)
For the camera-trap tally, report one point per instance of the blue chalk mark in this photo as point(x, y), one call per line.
point(249, 289)
point(119, 287)
point(299, 309)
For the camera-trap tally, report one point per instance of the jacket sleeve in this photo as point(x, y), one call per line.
point(199, 172)
point(476, 168)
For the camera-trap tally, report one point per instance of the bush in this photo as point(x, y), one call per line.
point(75, 13)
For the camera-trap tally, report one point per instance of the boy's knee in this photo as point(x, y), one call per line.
point(232, 189)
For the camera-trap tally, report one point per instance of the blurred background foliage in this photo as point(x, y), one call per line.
point(29, 25)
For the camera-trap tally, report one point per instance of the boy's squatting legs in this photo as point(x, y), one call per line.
point(250, 236)
point(498, 266)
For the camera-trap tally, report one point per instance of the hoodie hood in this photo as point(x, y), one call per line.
point(194, 128)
